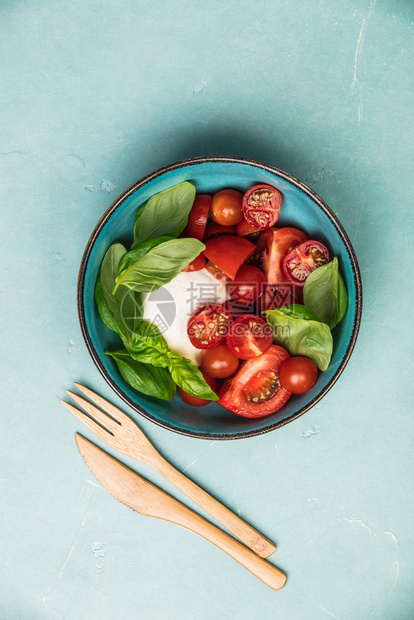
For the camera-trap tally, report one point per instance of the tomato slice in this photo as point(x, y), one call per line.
point(244, 229)
point(229, 253)
point(197, 219)
point(248, 285)
point(261, 205)
point(249, 336)
point(198, 263)
point(195, 401)
point(272, 247)
point(299, 263)
point(215, 230)
point(255, 390)
point(208, 326)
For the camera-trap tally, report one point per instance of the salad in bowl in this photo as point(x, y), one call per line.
point(220, 297)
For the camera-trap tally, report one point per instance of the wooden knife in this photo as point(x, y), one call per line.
point(131, 489)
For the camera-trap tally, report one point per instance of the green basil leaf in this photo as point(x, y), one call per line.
point(164, 213)
point(297, 311)
point(103, 308)
point(146, 344)
point(311, 339)
point(125, 305)
point(189, 378)
point(145, 378)
point(159, 265)
point(133, 255)
point(325, 293)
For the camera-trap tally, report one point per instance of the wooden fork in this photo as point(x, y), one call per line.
point(119, 431)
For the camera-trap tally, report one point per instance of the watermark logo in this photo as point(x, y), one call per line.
point(160, 304)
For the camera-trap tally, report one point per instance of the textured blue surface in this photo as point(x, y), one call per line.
point(94, 96)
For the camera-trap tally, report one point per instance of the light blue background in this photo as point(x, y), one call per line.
point(96, 94)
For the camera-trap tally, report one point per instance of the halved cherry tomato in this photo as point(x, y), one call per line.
point(248, 285)
point(255, 390)
point(249, 336)
point(226, 207)
point(197, 219)
point(208, 326)
point(229, 253)
point(261, 205)
point(244, 229)
point(195, 401)
point(299, 263)
point(219, 362)
point(272, 247)
point(298, 374)
point(198, 263)
point(215, 230)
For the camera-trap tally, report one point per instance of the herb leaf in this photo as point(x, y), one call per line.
point(297, 311)
point(325, 293)
point(159, 265)
point(146, 344)
point(145, 378)
point(312, 339)
point(164, 213)
point(122, 311)
point(189, 378)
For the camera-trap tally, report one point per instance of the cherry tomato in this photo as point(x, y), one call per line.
point(208, 326)
point(228, 253)
point(244, 229)
point(261, 205)
point(298, 374)
point(272, 247)
point(215, 230)
point(195, 401)
point(279, 295)
point(197, 219)
point(248, 285)
point(299, 263)
point(249, 336)
point(198, 263)
point(226, 207)
point(219, 362)
point(255, 390)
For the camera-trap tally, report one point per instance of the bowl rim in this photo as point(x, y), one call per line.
point(182, 164)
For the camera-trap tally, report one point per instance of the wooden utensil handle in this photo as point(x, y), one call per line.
point(245, 532)
point(172, 510)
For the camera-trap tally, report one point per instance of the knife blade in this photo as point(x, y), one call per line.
point(140, 495)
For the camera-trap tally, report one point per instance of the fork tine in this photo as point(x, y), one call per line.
point(91, 424)
point(100, 416)
point(113, 411)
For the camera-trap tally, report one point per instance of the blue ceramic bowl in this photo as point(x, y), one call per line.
point(302, 208)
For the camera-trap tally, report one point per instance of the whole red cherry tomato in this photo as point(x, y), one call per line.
point(248, 285)
point(249, 336)
point(218, 362)
point(261, 205)
point(226, 207)
point(195, 401)
point(208, 326)
point(255, 390)
point(299, 263)
point(298, 374)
